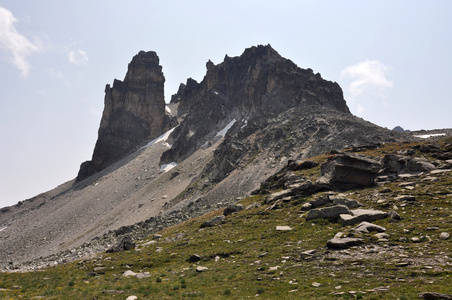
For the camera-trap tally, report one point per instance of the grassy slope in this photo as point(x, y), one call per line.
point(248, 245)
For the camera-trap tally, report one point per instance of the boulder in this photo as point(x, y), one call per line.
point(331, 212)
point(194, 258)
point(349, 171)
point(360, 215)
point(367, 227)
point(343, 243)
point(233, 208)
point(403, 164)
point(127, 243)
point(213, 222)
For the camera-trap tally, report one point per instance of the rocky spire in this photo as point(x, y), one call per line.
point(134, 113)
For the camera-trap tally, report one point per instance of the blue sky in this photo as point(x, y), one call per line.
point(393, 60)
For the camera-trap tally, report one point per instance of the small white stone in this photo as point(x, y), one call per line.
point(444, 235)
point(201, 269)
point(283, 228)
point(129, 273)
point(316, 284)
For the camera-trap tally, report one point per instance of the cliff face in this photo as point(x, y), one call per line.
point(134, 113)
point(258, 84)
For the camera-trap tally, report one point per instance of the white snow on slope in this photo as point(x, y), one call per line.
point(161, 138)
point(1, 229)
point(167, 109)
point(225, 130)
point(167, 167)
point(426, 136)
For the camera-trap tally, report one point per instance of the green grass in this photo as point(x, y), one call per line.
point(243, 271)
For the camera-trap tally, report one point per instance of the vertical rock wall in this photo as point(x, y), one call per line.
point(134, 113)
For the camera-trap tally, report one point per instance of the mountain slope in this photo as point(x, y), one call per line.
point(275, 110)
point(274, 250)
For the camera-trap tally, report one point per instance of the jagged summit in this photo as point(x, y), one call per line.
point(258, 84)
point(134, 113)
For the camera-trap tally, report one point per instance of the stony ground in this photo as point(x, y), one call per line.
point(274, 250)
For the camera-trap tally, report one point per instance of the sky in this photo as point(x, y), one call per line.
point(393, 60)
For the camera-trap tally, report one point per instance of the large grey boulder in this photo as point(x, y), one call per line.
point(360, 215)
point(347, 171)
point(330, 212)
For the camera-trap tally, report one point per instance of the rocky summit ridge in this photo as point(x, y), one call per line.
point(157, 164)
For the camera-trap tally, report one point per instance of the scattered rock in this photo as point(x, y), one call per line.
point(394, 215)
point(343, 243)
point(283, 228)
point(368, 227)
point(435, 296)
point(331, 212)
point(129, 273)
point(316, 284)
point(360, 215)
point(213, 222)
point(201, 269)
point(127, 243)
point(194, 258)
point(444, 235)
point(132, 298)
point(232, 209)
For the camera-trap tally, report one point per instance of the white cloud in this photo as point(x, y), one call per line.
point(78, 57)
point(17, 45)
point(367, 76)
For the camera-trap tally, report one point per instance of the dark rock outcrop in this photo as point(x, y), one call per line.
point(134, 113)
point(258, 84)
point(127, 243)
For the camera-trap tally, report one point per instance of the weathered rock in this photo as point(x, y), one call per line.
point(360, 215)
point(302, 165)
point(201, 269)
point(283, 228)
point(129, 273)
point(435, 296)
point(347, 171)
point(394, 215)
point(343, 243)
point(194, 258)
point(444, 235)
point(232, 209)
point(331, 212)
point(213, 222)
point(134, 113)
point(127, 243)
point(402, 164)
point(368, 227)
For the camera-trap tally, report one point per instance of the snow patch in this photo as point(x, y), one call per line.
point(225, 130)
point(426, 136)
point(161, 138)
point(167, 167)
point(245, 123)
point(167, 109)
point(1, 229)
